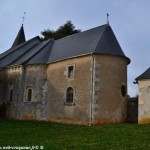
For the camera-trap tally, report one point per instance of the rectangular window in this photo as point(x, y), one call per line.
point(70, 71)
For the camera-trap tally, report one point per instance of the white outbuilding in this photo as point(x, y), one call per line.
point(144, 97)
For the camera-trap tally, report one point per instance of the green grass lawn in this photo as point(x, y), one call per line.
point(54, 136)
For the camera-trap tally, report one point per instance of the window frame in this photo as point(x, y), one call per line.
point(29, 99)
point(70, 73)
point(68, 102)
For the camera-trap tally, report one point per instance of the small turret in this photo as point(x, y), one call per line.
point(20, 38)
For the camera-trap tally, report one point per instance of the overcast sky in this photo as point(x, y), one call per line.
point(129, 19)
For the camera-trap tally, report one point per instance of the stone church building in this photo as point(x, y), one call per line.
point(80, 79)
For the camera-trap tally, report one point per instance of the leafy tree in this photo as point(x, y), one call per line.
point(67, 29)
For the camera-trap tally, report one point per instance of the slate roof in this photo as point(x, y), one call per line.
point(145, 75)
point(20, 37)
point(99, 40)
point(35, 52)
point(7, 58)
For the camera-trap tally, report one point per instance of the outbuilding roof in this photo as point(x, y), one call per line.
point(99, 40)
point(145, 75)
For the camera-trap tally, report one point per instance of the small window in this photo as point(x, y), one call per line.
point(69, 95)
point(123, 91)
point(29, 96)
point(70, 71)
point(11, 95)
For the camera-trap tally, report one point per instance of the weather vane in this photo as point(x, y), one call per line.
point(23, 18)
point(107, 19)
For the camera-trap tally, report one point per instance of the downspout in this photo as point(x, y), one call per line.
point(92, 88)
point(22, 89)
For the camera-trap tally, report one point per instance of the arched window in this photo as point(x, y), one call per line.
point(11, 95)
point(29, 94)
point(69, 95)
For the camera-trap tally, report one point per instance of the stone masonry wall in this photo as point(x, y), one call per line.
point(14, 82)
point(144, 101)
point(35, 79)
point(96, 81)
point(79, 112)
point(109, 106)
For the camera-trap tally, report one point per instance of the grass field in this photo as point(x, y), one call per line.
point(54, 136)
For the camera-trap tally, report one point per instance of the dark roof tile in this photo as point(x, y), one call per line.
point(76, 44)
point(99, 40)
point(11, 55)
point(20, 37)
point(108, 43)
point(41, 57)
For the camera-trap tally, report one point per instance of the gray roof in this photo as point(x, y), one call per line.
point(7, 58)
point(20, 37)
point(99, 40)
point(145, 75)
point(42, 55)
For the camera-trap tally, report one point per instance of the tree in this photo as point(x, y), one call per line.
point(67, 29)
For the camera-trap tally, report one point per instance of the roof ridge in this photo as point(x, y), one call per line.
point(48, 41)
point(108, 44)
point(36, 37)
point(23, 54)
point(93, 28)
point(50, 50)
point(81, 32)
point(100, 37)
point(98, 40)
point(17, 47)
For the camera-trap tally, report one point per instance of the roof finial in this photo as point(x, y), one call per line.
point(107, 19)
point(23, 18)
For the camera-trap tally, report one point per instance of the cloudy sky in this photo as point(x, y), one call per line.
point(129, 19)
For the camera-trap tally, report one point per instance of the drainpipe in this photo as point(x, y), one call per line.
point(21, 99)
point(92, 88)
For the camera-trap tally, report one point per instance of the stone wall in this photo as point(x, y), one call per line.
point(35, 79)
point(19, 79)
point(109, 106)
point(144, 101)
point(97, 82)
point(14, 84)
point(58, 110)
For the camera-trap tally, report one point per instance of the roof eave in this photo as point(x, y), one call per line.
point(92, 53)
